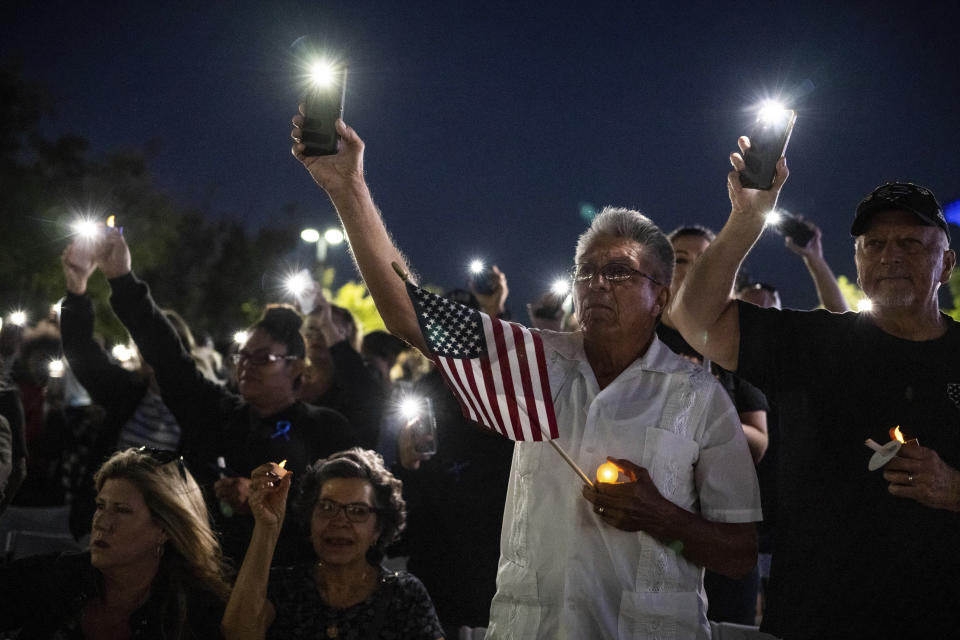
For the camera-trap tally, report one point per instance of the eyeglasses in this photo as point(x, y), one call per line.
point(611, 272)
point(356, 512)
point(165, 456)
point(260, 359)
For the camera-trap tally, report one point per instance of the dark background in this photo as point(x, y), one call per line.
point(488, 125)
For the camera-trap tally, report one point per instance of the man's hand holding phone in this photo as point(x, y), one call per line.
point(340, 171)
point(753, 203)
point(813, 248)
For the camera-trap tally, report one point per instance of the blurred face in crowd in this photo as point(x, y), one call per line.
point(687, 249)
point(338, 539)
point(123, 533)
point(318, 376)
point(901, 262)
point(258, 378)
point(313, 334)
point(630, 307)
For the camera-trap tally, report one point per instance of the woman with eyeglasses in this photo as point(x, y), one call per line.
point(226, 435)
point(354, 509)
point(154, 568)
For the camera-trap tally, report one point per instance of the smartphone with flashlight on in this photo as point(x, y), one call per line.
point(425, 438)
point(768, 136)
point(482, 282)
point(792, 227)
point(323, 104)
point(482, 278)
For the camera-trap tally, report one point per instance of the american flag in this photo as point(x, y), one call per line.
point(496, 369)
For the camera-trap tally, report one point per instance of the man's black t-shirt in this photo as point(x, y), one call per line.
point(852, 560)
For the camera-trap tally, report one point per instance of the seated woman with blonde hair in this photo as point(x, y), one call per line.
point(354, 508)
point(153, 569)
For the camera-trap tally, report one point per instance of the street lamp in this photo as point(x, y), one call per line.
point(330, 238)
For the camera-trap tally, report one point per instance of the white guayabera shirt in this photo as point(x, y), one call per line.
point(563, 572)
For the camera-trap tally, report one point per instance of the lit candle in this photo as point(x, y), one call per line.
point(884, 454)
point(608, 472)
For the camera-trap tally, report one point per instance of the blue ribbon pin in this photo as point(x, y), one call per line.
point(282, 428)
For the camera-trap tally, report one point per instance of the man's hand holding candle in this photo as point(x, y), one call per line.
point(918, 473)
point(635, 505)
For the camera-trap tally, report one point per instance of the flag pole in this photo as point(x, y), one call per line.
point(569, 461)
point(401, 272)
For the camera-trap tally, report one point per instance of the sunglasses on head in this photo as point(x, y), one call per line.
point(165, 456)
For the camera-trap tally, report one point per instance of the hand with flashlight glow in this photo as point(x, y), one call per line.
point(79, 263)
point(823, 278)
point(113, 254)
point(494, 302)
point(918, 473)
point(548, 310)
point(322, 319)
point(634, 505)
point(270, 484)
point(813, 250)
point(410, 458)
point(753, 203)
point(334, 173)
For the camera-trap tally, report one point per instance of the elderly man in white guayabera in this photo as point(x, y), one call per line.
point(619, 560)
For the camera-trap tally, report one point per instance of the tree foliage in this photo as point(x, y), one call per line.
point(215, 273)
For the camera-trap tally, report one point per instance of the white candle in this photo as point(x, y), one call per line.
point(884, 454)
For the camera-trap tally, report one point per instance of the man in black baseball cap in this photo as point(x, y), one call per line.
point(902, 196)
point(847, 537)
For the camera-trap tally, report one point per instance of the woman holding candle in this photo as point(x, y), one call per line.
point(153, 569)
point(354, 508)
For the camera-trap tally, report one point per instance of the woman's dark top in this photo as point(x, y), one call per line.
point(215, 422)
point(356, 393)
point(115, 389)
point(400, 607)
point(44, 596)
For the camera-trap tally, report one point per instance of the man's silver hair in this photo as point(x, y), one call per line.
point(633, 225)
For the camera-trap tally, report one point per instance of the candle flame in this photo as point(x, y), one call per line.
point(608, 472)
point(111, 221)
point(282, 464)
point(896, 435)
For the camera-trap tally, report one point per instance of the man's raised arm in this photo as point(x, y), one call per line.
point(703, 310)
point(341, 176)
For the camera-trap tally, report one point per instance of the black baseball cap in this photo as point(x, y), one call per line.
point(902, 196)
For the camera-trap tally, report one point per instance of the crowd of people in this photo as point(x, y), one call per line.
point(262, 492)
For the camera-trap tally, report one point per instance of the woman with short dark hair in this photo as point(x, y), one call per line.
point(354, 508)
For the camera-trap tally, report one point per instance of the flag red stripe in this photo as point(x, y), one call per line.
point(488, 419)
point(503, 360)
point(448, 368)
point(530, 400)
point(545, 386)
point(490, 390)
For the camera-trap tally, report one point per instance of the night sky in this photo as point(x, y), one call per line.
point(488, 125)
